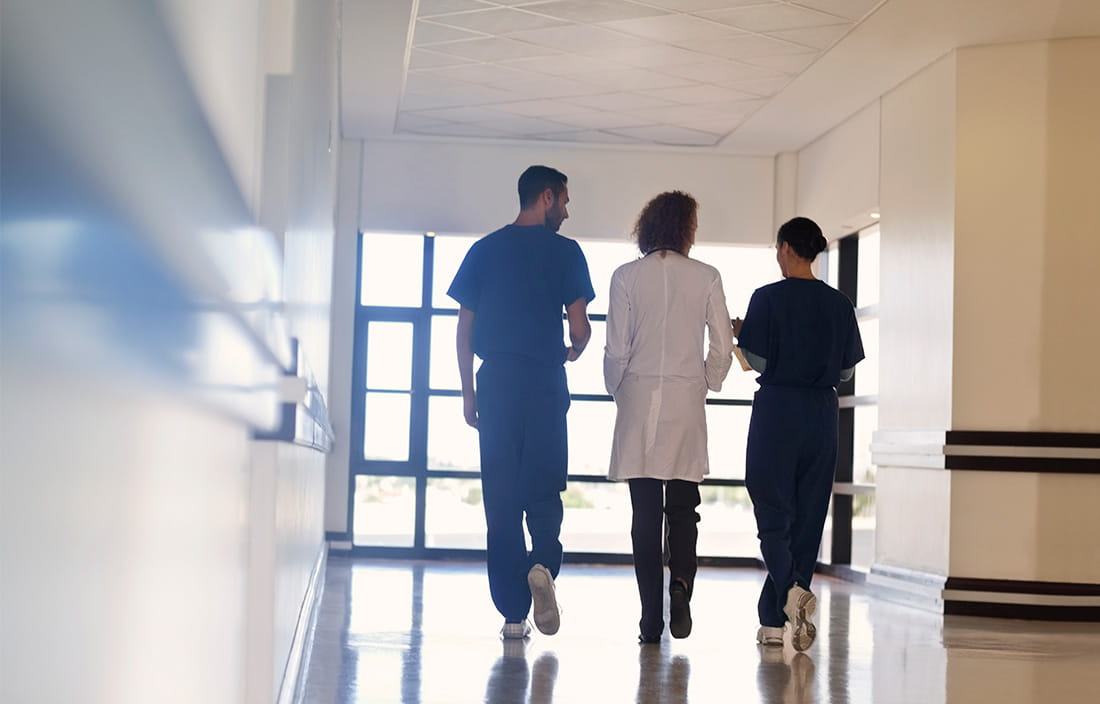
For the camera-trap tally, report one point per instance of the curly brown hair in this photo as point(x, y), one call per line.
point(667, 222)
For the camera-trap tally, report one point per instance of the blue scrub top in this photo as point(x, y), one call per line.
point(805, 329)
point(517, 281)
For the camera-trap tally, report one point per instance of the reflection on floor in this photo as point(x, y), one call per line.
point(411, 632)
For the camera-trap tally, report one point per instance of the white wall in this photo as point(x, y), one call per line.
point(838, 175)
point(917, 250)
point(1026, 232)
point(222, 47)
point(125, 546)
point(144, 536)
point(471, 188)
point(1026, 326)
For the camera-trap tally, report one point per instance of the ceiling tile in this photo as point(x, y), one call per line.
point(718, 71)
point(537, 108)
point(699, 95)
point(428, 101)
point(815, 37)
point(852, 9)
point(599, 120)
point(699, 5)
point(499, 20)
point(763, 87)
point(672, 28)
point(464, 114)
point(736, 108)
point(633, 79)
point(484, 73)
point(771, 18)
point(746, 45)
point(549, 87)
point(590, 136)
point(563, 64)
point(428, 8)
point(651, 56)
point(619, 101)
point(422, 58)
point(432, 33)
point(670, 134)
point(594, 10)
point(580, 38)
point(789, 63)
point(522, 125)
point(493, 49)
point(681, 114)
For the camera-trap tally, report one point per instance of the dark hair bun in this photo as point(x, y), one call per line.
point(804, 236)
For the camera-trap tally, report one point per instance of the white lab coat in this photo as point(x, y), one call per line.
point(654, 365)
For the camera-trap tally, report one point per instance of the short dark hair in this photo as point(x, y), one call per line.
point(666, 222)
point(535, 180)
point(804, 236)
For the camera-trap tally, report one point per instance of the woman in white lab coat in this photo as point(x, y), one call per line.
point(655, 369)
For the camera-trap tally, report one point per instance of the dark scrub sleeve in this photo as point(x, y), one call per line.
point(464, 288)
point(853, 346)
point(756, 326)
point(577, 282)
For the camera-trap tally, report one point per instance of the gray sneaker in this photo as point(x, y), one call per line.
point(800, 607)
point(770, 636)
point(544, 602)
point(515, 631)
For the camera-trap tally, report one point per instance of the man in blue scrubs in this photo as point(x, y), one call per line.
point(512, 288)
point(802, 336)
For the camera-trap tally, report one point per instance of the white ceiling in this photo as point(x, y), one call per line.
point(742, 76)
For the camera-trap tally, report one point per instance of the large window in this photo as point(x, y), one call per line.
point(852, 265)
point(415, 482)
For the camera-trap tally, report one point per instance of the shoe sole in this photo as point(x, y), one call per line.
point(679, 622)
point(545, 603)
point(803, 630)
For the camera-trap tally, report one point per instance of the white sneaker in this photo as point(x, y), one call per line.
point(515, 631)
point(544, 603)
point(770, 636)
point(800, 608)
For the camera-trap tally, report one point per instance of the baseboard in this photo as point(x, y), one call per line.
point(999, 598)
point(292, 688)
point(911, 587)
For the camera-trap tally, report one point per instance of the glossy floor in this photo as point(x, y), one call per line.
point(426, 632)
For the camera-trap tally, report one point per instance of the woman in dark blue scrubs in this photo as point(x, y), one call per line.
point(801, 335)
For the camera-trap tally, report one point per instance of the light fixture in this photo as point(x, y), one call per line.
point(875, 215)
point(429, 234)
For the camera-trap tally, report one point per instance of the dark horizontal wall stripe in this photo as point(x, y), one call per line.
point(1054, 465)
point(1023, 611)
point(1022, 439)
point(1011, 586)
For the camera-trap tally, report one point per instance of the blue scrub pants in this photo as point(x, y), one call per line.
point(521, 421)
point(790, 462)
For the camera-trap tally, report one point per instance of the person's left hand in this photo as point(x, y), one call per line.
point(737, 323)
point(571, 354)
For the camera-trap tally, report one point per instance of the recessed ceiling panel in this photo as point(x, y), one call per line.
point(682, 72)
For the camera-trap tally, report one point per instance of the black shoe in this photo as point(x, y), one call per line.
point(679, 618)
point(644, 639)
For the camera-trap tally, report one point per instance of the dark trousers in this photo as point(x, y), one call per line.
point(522, 433)
point(789, 466)
point(652, 500)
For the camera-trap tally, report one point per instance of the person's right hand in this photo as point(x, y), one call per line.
point(571, 354)
point(469, 409)
point(737, 323)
